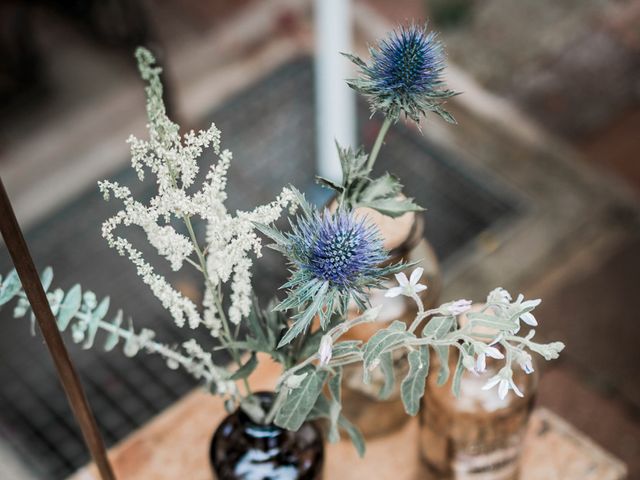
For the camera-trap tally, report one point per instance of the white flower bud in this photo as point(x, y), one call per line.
point(326, 349)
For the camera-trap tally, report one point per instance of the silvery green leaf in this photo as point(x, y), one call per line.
point(69, 307)
point(457, 376)
point(300, 296)
point(412, 388)
point(322, 409)
point(443, 355)
point(300, 401)
point(386, 364)
point(46, 278)
point(382, 187)
point(10, 287)
point(246, 369)
point(303, 321)
point(113, 338)
point(96, 316)
point(354, 434)
point(346, 347)
point(438, 327)
point(384, 340)
point(335, 385)
point(392, 207)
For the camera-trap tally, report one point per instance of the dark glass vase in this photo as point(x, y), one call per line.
point(242, 449)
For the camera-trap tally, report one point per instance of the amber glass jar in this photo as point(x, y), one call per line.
point(477, 436)
point(244, 450)
point(361, 405)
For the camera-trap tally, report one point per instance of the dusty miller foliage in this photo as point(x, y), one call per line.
point(312, 359)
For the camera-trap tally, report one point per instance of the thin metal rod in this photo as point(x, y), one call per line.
point(28, 274)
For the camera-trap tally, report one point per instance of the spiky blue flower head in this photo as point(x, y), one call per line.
point(405, 74)
point(333, 258)
point(337, 248)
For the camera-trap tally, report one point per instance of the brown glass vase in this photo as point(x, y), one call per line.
point(477, 436)
point(361, 404)
point(242, 449)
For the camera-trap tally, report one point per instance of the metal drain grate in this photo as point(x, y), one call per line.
point(270, 129)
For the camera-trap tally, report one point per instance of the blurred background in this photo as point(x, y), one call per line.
point(536, 189)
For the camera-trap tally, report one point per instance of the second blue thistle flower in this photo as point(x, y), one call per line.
point(405, 75)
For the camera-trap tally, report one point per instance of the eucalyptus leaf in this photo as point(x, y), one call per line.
point(413, 386)
point(113, 338)
point(46, 278)
point(96, 316)
point(69, 307)
point(10, 287)
point(131, 345)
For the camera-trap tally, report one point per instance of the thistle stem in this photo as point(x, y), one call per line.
point(378, 143)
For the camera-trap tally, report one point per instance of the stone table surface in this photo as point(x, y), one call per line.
point(175, 446)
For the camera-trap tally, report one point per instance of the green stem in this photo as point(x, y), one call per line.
point(378, 143)
point(280, 398)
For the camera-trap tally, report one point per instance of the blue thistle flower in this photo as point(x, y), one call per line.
point(405, 75)
point(333, 258)
point(338, 249)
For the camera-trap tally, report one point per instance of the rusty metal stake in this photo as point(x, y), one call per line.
point(37, 298)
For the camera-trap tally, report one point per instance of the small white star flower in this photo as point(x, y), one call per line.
point(407, 286)
point(504, 380)
point(487, 351)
